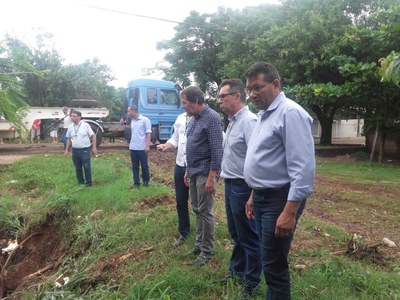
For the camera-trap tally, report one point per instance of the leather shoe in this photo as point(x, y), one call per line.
point(193, 252)
point(202, 259)
point(179, 241)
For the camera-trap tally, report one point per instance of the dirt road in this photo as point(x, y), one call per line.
point(9, 153)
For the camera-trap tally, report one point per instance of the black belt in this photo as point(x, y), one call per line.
point(236, 181)
point(269, 190)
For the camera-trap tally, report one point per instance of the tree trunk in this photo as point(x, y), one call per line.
point(382, 146)
point(325, 117)
point(326, 131)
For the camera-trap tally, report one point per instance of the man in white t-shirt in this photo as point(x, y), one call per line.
point(83, 141)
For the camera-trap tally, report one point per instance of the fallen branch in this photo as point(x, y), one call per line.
point(41, 271)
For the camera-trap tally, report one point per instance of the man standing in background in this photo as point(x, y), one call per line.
point(178, 140)
point(204, 155)
point(139, 146)
point(35, 131)
point(66, 123)
point(245, 263)
point(83, 141)
point(280, 168)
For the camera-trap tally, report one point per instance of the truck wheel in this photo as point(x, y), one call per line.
point(154, 134)
point(99, 134)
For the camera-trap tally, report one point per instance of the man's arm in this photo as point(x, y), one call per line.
point(148, 140)
point(94, 147)
point(67, 147)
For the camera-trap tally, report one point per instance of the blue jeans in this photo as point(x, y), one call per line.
point(81, 160)
point(182, 197)
point(203, 208)
point(245, 260)
point(140, 156)
point(268, 204)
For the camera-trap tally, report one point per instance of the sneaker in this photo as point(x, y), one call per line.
point(195, 251)
point(179, 241)
point(202, 259)
point(146, 184)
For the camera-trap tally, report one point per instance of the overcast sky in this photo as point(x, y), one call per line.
point(126, 43)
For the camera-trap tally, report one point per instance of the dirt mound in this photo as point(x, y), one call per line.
point(38, 252)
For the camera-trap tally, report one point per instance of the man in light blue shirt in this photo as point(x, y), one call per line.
point(245, 262)
point(139, 145)
point(280, 168)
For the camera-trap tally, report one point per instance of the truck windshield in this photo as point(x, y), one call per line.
point(169, 97)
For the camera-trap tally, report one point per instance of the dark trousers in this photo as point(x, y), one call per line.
point(268, 204)
point(245, 260)
point(64, 137)
point(140, 156)
point(182, 197)
point(81, 160)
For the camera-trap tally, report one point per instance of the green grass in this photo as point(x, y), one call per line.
point(125, 252)
point(361, 172)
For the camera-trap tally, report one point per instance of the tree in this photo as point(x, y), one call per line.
point(13, 66)
point(60, 83)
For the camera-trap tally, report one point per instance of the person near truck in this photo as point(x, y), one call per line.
point(139, 146)
point(82, 140)
point(35, 130)
point(178, 140)
point(245, 262)
point(203, 155)
point(66, 123)
point(280, 169)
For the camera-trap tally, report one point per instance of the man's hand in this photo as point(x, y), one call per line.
point(161, 147)
point(66, 153)
point(249, 208)
point(210, 183)
point(147, 149)
point(94, 150)
point(186, 178)
point(287, 219)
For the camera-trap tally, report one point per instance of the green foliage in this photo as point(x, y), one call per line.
point(390, 68)
point(60, 83)
point(13, 66)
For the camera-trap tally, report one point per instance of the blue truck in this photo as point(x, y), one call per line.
point(159, 101)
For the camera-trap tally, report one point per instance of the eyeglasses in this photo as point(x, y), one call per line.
point(257, 88)
point(222, 96)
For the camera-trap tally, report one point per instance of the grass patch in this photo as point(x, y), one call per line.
point(117, 240)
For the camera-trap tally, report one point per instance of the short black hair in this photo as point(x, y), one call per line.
point(134, 108)
point(269, 70)
point(235, 85)
point(78, 113)
point(193, 94)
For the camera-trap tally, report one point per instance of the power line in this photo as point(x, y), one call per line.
point(165, 20)
point(132, 14)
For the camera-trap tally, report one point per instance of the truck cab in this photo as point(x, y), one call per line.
point(159, 101)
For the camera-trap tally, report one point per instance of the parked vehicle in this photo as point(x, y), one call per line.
point(159, 101)
point(28, 115)
point(156, 99)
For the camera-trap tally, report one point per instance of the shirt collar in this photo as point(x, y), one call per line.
point(237, 115)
